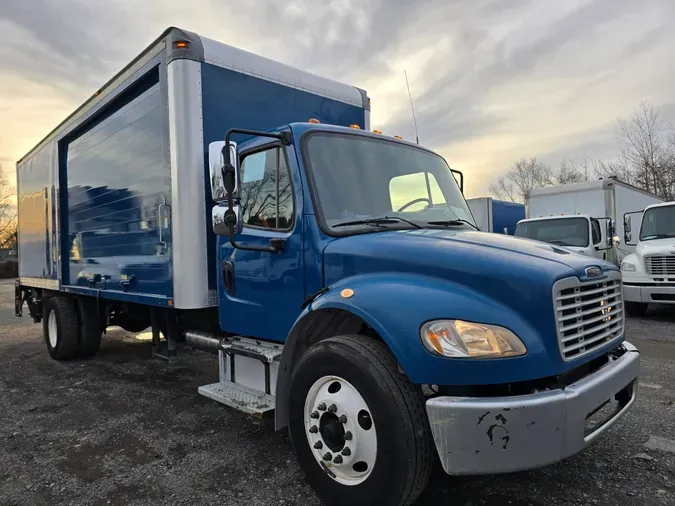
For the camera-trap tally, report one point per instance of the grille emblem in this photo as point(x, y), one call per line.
point(593, 272)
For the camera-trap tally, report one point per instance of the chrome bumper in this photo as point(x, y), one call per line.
point(476, 435)
point(633, 293)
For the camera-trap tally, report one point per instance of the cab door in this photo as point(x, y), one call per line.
point(260, 292)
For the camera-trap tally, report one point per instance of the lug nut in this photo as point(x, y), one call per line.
point(315, 414)
point(321, 407)
point(338, 459)
point(318, 445)
point(347, 436)
point(343, 419)
point(346, 452)
point(313, 429)
point(332, 408)
point(328, 456)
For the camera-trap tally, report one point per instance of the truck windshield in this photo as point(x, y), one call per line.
point(658, 223)
point(362, 178)
point(562, 231)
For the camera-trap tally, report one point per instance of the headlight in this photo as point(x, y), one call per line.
point(460, 339)
point(628, 267)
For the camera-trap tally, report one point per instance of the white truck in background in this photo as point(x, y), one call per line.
point(582, 217)
point(649, 272)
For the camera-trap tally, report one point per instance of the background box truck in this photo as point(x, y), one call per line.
point(583, 216)
point(498, 216)
point(649, 272)
point(285, 241)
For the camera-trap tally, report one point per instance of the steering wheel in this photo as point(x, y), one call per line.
point(421, 199)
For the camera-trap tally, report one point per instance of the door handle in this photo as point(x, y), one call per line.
point(227, 271)
point(160, 219)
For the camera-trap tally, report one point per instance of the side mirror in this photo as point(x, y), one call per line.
point(221, 216)
point(626, 223)
point(219, 187)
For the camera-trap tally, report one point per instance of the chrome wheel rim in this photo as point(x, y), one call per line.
point(52, 329)
point(340, 430)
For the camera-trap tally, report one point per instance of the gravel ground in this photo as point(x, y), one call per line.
point(124, 429)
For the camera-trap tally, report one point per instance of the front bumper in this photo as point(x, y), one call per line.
point(486, 435)
point(649, 294)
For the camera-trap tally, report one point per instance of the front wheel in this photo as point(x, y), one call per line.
point(636, 308)
point(358, 427)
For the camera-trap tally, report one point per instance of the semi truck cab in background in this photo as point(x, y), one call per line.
point(336, 273)
point(649, 273)
point(580, 233)
point(583, 217)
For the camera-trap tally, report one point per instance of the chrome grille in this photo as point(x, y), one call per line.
point(588, 315)
point(659, 265)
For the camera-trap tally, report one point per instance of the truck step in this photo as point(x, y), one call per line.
point(248, 400)
point(259, 350)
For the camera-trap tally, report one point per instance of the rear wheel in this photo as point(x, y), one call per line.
point(358, 426)
point(60, 327)
point(90, 326)
point(636, 308)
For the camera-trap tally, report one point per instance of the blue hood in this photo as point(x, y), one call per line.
point(476, 259)
point(504, 280)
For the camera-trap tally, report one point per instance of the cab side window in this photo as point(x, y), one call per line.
point(597, 235)
point(265, 191)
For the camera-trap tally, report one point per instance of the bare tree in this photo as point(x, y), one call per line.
point(568, 172)
point(647, 155)
point(523, 177)
point(8, 214)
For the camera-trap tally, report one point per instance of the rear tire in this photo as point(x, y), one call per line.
point(371, 381)
point(60, 327)
point(90, 326)
point(637, 309)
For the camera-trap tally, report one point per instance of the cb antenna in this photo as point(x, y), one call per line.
point(412, 107)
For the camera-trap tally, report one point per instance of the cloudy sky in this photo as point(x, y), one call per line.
point(492, 80)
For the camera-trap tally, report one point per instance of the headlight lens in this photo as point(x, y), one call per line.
point(628, 267)
point(460, 339)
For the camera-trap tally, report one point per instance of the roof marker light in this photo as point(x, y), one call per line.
point(355, 127)
point(313, 120)
point(377, 131)
point(398, 137)
point(182, 44)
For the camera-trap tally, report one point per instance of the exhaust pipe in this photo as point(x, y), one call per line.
point(204, 341)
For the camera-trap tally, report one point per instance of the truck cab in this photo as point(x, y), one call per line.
point(649, 273)
point(580, 233)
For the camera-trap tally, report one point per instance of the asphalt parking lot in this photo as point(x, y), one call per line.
point(124, 429)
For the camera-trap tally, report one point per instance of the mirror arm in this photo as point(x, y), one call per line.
point(276, 244)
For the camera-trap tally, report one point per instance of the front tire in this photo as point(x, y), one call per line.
point(60, 327)
point(638, 309)
point(348, 394)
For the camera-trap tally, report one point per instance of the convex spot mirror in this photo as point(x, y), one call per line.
point(219, 186)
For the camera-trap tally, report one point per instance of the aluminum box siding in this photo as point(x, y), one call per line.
point(233, 99)
point(37, 190)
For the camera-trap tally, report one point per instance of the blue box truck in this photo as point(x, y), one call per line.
point(243, 206)
point(497, 216)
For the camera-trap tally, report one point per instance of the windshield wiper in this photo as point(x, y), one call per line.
point(448, 223)
point(378, 222)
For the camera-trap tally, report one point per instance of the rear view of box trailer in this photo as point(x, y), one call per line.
point(115, 201)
